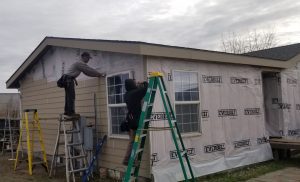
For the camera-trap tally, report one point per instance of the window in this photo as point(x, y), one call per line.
point(115, 97)
point(187, 101)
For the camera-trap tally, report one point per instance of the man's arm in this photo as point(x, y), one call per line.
point(141, 92)
point(88, 70)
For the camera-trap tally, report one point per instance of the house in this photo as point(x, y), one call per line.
point(220, 100)
point(282, 98)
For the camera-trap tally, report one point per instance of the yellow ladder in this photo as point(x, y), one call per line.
point(30, 140)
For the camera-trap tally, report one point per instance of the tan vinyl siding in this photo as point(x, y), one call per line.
point(49, 100)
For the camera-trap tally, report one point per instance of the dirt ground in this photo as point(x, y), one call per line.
point(21, 174)
point(7, 173)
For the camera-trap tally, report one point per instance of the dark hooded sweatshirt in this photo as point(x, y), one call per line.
point(133, 98)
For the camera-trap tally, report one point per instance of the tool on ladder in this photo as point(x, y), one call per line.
point(30, 132)
point(155, 82)
point(95, 157)
point(73, 153)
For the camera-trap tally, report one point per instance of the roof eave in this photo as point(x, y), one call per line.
point(140, 48)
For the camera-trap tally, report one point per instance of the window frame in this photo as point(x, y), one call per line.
point(192, 133)
point(108, 105)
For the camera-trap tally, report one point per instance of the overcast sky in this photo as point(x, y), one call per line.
point(189, 23)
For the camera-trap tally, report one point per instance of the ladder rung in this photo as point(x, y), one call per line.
point(34, 130)
point(30, 110)
point(147, 120)
point(78, 170)
point(12, 128)
point(183, 153)
point(143, 135)
point(74, 144)
point(76, 157)
point(70, 119)
point(139, 150)
point(72, 131)
point(69, 131)
point(38, 162)
point(31, 141)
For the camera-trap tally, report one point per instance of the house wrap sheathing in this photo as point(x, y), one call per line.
point(219, 99)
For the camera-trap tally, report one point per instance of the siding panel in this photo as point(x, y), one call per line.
point(49, 100)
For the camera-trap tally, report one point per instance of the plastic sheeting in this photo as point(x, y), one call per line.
point(290, 105)
point(231, 116)
point(282, 102)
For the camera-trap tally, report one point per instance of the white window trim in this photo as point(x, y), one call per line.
point(199, 132)
point(109, 129)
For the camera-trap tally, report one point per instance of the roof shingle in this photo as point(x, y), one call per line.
point(283, 53)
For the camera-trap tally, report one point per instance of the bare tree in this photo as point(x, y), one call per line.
point(252, 41)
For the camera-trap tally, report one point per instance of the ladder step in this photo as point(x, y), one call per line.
point(70, 119)
point(38, 162)
point(74, 144)
point(72, 131)
point(33, 130)
point(147, 120)
point(76, 157)
point(143, 135)
point(69, 131)
point(78, 170)
point(183, 153)
point(139, 150)
point(31, 141)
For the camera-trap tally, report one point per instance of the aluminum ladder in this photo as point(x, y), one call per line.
point(75, 158)
point(132, 171)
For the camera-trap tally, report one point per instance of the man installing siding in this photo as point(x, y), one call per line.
point(68, 80)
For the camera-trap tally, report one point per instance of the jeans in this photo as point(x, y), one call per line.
point(131, 134)
point(69, 96)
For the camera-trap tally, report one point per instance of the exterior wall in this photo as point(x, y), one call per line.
point(38, 90)
point(290, 103)
point(230, 113)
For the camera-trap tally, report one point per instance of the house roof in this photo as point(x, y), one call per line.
point(282, 53)
point(139, 48)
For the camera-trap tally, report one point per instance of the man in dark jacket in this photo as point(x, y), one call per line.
point(133, 98)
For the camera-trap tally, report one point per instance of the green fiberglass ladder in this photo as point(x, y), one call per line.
point(155, 82)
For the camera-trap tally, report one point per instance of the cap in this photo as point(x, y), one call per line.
point(86, 54)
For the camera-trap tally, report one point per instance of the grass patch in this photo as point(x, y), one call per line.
point(251, 171)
